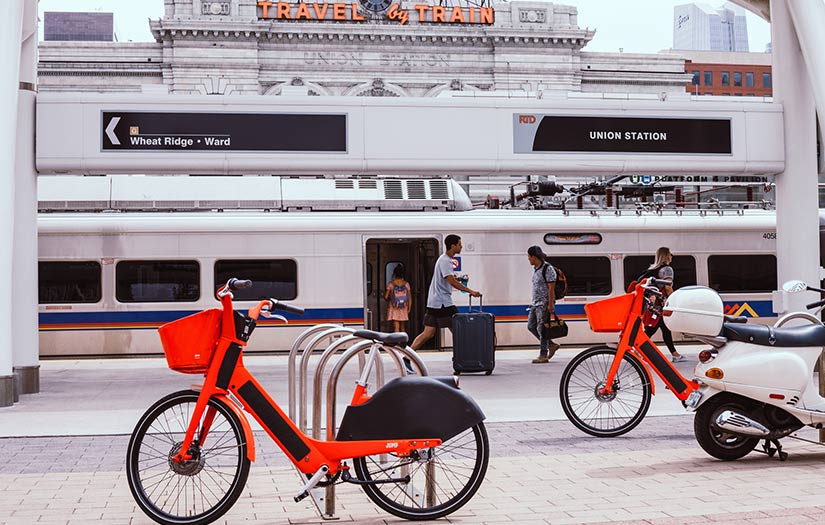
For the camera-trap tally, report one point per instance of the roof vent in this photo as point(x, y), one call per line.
point(438, 190)
point(344, 184)
point(416, 190)
point(393, 190)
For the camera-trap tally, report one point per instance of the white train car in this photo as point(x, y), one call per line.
point(108, 280)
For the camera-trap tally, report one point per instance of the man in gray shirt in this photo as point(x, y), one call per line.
point(543, 303)
point(440, 308)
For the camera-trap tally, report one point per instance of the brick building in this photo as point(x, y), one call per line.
point(728, 74)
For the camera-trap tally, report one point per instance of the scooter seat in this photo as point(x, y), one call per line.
point(391, 339)
point(792, 336)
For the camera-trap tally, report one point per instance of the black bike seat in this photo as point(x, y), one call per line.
point(391, 339)
point(792, 336)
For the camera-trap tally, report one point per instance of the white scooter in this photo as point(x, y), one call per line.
point(757, 381)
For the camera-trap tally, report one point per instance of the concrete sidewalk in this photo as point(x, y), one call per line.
point(97, 397)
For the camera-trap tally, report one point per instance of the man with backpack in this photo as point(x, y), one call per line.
point(543, 304)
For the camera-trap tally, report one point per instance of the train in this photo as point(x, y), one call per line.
point(107, 281)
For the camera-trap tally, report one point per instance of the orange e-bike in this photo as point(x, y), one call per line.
point(605, 391)
point(418, 445)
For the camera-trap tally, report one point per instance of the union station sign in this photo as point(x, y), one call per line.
point(361, 10)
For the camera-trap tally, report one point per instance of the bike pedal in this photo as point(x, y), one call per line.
point(301, 496)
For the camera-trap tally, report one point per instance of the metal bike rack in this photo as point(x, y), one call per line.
point(332, 386)
point(293, 352)
point(318, 380)
point(303, 367)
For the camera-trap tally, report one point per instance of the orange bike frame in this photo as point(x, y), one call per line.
point(634, 340)
point(227, 373)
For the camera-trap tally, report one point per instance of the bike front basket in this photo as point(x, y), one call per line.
point(189, 343)
point(609, 315)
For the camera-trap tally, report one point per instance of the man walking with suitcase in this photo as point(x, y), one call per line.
point(440, 307)
point(543, 304)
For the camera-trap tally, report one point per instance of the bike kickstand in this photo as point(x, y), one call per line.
point(320, 473)
point(766, 448)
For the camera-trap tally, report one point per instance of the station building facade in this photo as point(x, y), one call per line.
point(420, 48)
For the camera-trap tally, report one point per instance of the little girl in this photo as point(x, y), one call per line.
point(399, 297)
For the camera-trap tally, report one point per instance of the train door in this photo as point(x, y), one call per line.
point(418, 257)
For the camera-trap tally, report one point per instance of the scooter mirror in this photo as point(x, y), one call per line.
point(795, 286)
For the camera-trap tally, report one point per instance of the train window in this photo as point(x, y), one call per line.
point(157, 281)
point(68, 282)
point(271, 278)
point(742, 273)
point(585, 275)
point(389, 268)
point(684, 269)
point(572, 238)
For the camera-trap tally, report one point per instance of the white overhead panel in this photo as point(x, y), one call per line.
point(109, 134)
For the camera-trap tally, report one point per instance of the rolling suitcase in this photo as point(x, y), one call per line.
point(474, 335)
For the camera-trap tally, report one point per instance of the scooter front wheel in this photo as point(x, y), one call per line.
point(442, 479)
point(594, 412)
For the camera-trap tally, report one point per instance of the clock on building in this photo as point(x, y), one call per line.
point(215, 8)
point(376, 6)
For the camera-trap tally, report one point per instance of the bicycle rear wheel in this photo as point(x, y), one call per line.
point(598, 414)
point(442, 479)
point(193, 492)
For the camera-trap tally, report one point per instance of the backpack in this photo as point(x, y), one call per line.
point(561, 282)
point(653, 272)
point(399, 297)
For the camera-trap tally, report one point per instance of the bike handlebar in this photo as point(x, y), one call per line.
point(238, 284)
point(816, 304)
point(277, 305)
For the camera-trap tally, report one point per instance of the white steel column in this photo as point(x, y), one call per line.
point(797, 206)
point(11, 15)
point(25, 354)
point(809, 21)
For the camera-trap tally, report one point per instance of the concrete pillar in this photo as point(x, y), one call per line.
point(11, 16)
point(797, 207)
point(25, 354)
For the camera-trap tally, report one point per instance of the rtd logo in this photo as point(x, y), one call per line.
point(526, 119)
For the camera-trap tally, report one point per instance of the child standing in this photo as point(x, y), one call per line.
point(399, 297)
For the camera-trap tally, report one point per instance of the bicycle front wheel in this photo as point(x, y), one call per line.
point(193, 492)
point(442, 479)
point(598, 414)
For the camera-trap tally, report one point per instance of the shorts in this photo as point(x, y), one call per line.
point(440, 317)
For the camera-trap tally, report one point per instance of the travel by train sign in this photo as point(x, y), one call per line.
point(361, 10)
point(559, 134)
point(269, 132)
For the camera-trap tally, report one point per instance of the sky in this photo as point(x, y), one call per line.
point(633, 26)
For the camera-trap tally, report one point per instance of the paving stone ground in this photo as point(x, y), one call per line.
point(541, 472)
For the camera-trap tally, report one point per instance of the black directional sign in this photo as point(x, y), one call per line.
point(272, 132)
point(555, 133)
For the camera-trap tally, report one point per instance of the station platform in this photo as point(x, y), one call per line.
point(62, 455)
